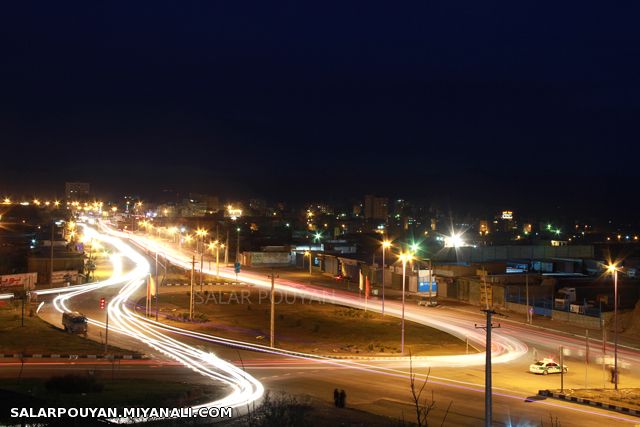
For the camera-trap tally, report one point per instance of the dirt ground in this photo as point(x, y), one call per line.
point(242, 312)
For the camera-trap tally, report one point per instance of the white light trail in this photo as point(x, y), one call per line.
point(244, 388)
point(505, 348)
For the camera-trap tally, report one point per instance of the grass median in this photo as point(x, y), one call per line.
point(39, 337)
point(243, 313)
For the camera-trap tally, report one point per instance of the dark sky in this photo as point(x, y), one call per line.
point(510, 103)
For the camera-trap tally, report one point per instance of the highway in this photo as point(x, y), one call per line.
point(379, 386)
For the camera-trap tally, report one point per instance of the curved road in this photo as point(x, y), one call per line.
point(379, 386)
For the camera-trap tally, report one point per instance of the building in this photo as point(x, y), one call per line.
point(77, 190)
point(376, 207)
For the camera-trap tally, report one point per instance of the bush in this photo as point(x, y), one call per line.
point(74, 383)
point(279, 411)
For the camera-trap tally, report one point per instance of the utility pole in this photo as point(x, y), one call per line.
point(53, 225)
point(106, 332)
point(218, 261)
point(238, 244)
point(273, 308)
point(193, 268)
point(201, 260)
point(488, 406)
point(586, 358)
point(158, 284)
point(561, 369)
point(384, 249)
point(604, 353)
point(226, 250)
point(526, 281)
point(615, 331)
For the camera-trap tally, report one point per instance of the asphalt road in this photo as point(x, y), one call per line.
point(383, 386)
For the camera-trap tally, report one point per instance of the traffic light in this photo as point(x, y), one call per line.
point(102, 303)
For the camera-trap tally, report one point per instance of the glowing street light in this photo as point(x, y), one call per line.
point(405, 257)
point(613, 269)
point(454, 241)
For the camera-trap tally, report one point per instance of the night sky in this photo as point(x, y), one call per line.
point(471, 102)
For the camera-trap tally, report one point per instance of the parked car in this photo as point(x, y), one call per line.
point(547, 366)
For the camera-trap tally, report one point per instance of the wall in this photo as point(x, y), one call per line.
point(563, 316)
point(491, 253)
point(42, 265)
point(267, 258)
point(577, 319)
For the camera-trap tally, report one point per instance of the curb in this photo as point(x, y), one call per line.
point(74, 356)
point(543, 328)
point(597, 404)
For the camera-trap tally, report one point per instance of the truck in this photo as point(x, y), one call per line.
point(564, 297)
point(74, 322)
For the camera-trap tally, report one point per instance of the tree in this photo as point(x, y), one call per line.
point(423, 406)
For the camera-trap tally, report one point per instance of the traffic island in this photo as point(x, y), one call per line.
point(25, 336)
point(626, 401)
point(302, 325)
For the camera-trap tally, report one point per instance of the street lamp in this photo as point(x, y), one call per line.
point(217, 245)
point(238, 244)
point(201, 232)
point(307, 253)
point(613, 269)
point(404, 257)
point(386, 244)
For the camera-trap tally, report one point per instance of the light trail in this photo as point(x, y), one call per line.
point(244, 388)
point(505, 348)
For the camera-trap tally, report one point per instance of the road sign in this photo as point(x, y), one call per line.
point(236, 267)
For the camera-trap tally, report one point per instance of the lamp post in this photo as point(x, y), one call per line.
point(612, 268)
point(218, 259)
point(307, 253)
point(238, 244)
point(385, 245)
point(404, 257)
point(201, 232)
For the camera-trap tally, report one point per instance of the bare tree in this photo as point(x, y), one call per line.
point(423, 405)
point(21, 366)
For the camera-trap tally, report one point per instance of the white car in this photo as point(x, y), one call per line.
point(547, 366)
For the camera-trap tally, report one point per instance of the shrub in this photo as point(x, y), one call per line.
point(74, 383)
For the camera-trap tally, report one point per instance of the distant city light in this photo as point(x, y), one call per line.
point(454, 241)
